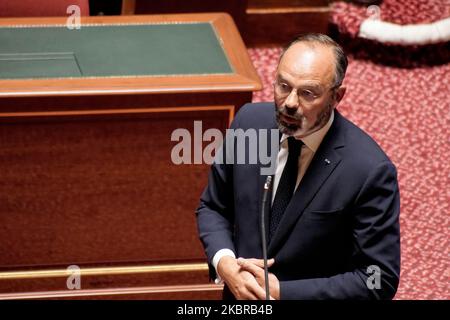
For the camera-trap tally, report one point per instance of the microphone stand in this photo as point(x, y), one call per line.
point(267, 186)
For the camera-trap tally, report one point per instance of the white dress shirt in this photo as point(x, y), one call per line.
point(310, 145)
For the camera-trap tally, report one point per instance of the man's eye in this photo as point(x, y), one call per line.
point(308, 94)
point(284, 86)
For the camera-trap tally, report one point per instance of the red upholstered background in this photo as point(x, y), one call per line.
point(407, 111)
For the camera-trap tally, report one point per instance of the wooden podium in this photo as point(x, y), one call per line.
point(85, 159)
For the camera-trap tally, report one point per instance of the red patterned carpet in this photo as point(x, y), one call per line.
point(407, 111)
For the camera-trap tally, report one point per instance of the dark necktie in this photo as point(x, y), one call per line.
point(286, 186)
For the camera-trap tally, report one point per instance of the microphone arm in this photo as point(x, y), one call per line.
point(267, 186)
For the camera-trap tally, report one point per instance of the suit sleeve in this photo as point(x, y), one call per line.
point(215, 214)
point(376, 247)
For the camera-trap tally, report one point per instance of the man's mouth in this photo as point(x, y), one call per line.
point(289, 120)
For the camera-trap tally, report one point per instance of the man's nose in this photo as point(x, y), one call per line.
point(291, 101)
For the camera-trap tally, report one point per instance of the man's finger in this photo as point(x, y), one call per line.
point(258, 262)
point(256, 289)
point(250, 267)
point(247, 295)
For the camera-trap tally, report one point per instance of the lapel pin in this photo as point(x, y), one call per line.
point(327, 161)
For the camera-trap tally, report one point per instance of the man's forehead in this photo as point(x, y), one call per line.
point(309, 48)
point(308, 60)
point(306, 81)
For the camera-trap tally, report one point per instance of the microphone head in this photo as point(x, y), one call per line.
point(268, 183)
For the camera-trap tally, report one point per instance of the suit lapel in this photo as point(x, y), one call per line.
point(322, 165)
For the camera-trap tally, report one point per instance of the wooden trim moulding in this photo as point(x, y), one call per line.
point(58, 273)
point(14, 115)
point(111, 292)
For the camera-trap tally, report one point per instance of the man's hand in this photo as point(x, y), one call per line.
point(241, 282)
point(256, 268)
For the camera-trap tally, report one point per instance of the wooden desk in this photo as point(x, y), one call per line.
point(261, 22)
point(235, 8)
point(87, 177)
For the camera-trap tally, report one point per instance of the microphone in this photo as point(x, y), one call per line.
point(267, 186)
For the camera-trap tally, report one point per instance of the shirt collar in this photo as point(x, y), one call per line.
point(314, 140)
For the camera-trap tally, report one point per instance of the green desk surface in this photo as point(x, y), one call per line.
point(111, 51)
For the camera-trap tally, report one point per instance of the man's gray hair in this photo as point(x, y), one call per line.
point(319, 38)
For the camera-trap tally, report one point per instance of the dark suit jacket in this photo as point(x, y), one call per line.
point(343, 217)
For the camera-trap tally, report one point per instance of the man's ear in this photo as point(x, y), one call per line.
point(340, 92)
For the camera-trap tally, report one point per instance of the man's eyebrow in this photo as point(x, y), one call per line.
point(280, 78)
point(308, 85)
point(313, 86)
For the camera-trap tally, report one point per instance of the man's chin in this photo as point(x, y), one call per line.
point(289, 130)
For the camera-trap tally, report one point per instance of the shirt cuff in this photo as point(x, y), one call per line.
point(215, 261)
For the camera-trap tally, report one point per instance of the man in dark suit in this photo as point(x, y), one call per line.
point(333, 219)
